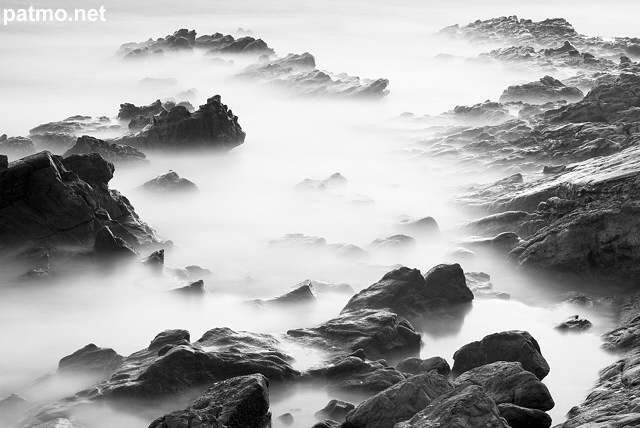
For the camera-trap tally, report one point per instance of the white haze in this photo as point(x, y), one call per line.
point(52, 71)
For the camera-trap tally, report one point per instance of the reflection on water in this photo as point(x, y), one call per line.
point(247, 196)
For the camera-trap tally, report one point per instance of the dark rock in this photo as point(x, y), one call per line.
point(108, 244)
point(169, 183)
point(212, 126)
point(558, 169)
point(239, 402)
point(299, 294)
point(545, 90)
point(508, 382)
point(423, 227)
point(327, 423)
point(115, 153)
point(521, 417)
point(417, 366)
point(91, 360)
point(399, 402)
point(514, 346)
point(379, 333)
point(4, 162)
point(195, 288)
point(468, 407)
point(155, 259)
point(406, 292)
point(574, 323)
point(335, 410)
point(169, 337)
point(49, 201)
point(130, 111)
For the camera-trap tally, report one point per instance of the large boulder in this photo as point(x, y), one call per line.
point(406, 292)
point(212, 127)
point(508, 382)
point(239, 402)
point(398, 403)
point(461, 407)
point(117, 154)
point(49, 201)
point(379, 333)
point(522, 417)
point(513, 345)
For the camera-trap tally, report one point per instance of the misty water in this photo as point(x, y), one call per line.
point(247, 196)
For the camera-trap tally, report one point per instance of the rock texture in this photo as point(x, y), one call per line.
point(117, 154)
point(49, 201)
point(91, 360)
point(545, 90)
point(170, 182)
point(212, 126)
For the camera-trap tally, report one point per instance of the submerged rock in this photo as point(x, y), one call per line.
point(50, 201)
point(169, 183)
point(514, 346)
point(212, 126)
point(238, 402)
point(574, 323)
point(406, 292)
point(115, 153)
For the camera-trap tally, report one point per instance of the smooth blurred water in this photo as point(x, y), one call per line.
point(52, 71)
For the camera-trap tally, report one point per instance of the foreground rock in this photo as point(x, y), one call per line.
point(514, 346)
point(297, 73)
point(212, 126)
point(117, 154)
point(50, 201)
point(468, 407)
point(239, 402)
point(170, 182)
point(406, 292)
point(398, 403)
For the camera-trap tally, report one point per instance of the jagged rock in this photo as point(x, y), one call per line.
point(415, 366)
point(508, 382)
point(335, 410)
point(510, 346)
point(169, 183)
point(108, 244)
point(483, 113)
point(212, 126)
point(398, 403)
point(379, 333)
point(91, 360)
point(299, 294)
point(130, 111)
point(49, 201)
point(540, 92)
point(297, 73)
point(574, 323)
point(155, 259)
point(115, 153)
point(238, 402)
point(406, 292)
point(195, 288)
point(521, 417)
point(468, 407)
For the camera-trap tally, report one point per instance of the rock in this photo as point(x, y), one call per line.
point(558, 169)
point(115, 153)
point(504, 242)
point(468, 407)
point(545, 90)
point(91, 360)
point(16, 146)
point(327, 423)
point(574, 323)
point(56, 142)
point(379, 333)
point(508, 382)
point(108, 244)
point(347, 250)
point(12, 408)
point(398, 403)
point(195, 288)
point(170, 182)
point(335, 410)
point(325, 287)
point(481, 114)
point(406, 292)
point(130, 111)
point(169, 337)
point(520, 417)
point(335, 180)
point(49, 201)
point(392, 242)
point(286, 419)
point(510, 346)
point(4, 162)
point(297, 73)
point(302, 293)
point(212, 126)
point(423, 227)
point(60, 136)
point(417, 366)
point(238, 402)
point(155, 259)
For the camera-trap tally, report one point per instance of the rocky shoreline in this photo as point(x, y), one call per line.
point(570, 209)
